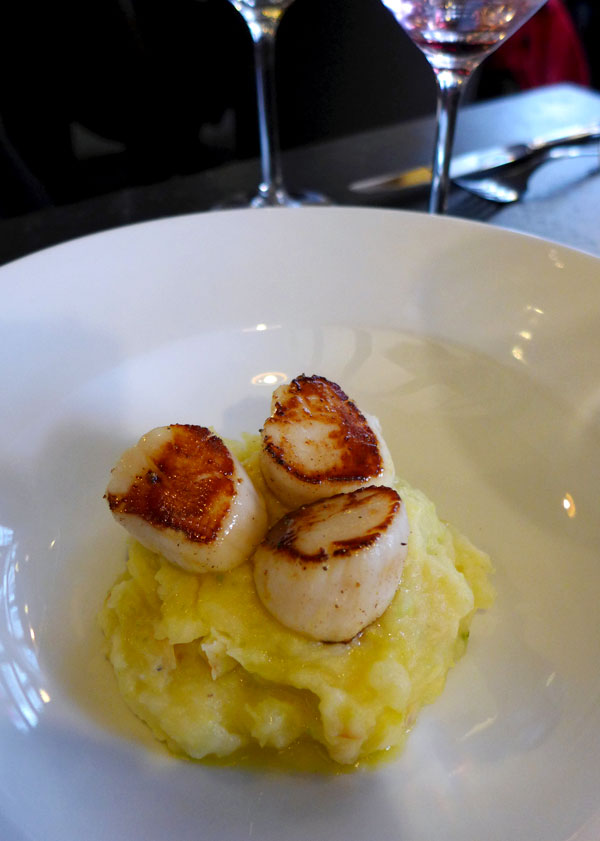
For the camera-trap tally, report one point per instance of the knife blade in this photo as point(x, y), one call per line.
point(474, 163)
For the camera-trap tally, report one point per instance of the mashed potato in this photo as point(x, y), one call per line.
point(200, 660)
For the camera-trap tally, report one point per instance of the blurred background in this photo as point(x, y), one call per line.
point(105, 94)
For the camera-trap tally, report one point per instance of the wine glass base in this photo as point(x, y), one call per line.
point(276, 198)
point(281, 198)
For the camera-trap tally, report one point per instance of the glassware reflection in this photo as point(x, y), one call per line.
point(22, 696)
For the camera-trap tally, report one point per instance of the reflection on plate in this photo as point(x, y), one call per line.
point(477, 348)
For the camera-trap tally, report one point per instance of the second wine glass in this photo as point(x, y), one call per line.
point(455, 36)
point(262, 18)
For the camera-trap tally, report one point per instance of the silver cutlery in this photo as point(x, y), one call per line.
point(509, 182)
point(482, 161)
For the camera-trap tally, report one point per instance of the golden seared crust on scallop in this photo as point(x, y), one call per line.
point(317, 443)
point(331, 568)
point(182, 493)
point(187, 484)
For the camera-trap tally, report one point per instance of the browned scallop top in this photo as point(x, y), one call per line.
point(189, 486)
point(314, 399)
point(311, 534)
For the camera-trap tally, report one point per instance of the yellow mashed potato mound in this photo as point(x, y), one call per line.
point(213, 674)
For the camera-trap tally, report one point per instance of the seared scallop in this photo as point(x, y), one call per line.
point(182, 493)
point(331, 568)
point(317, 443)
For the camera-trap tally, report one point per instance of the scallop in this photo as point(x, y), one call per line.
point(331, 568)
point(317, 443)
point(183, 494)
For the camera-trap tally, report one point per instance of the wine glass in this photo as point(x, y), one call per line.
point(262, 18)
point(455, 36)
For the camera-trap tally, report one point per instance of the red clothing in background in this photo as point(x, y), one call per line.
point(546, 50)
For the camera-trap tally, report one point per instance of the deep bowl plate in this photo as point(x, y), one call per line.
point(477, 348)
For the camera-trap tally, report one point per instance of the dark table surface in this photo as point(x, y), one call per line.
point(562, 202)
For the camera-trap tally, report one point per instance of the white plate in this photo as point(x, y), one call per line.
point(479, 351)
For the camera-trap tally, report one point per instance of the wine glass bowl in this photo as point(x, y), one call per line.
point(455, 37)
point(455, 34)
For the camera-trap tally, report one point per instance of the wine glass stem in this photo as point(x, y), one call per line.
point(449, 90)
point(268, 126)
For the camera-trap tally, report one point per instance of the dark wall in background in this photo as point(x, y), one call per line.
point(586, 16)
point(100, 94)
point(149, 75)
